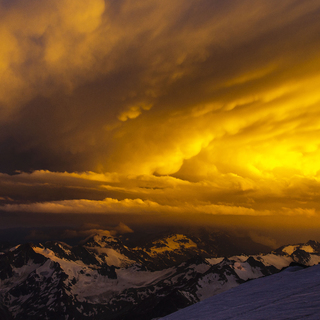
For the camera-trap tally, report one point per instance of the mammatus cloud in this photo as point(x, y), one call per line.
point(36, 42)
point(143, 88)
point(139, 107)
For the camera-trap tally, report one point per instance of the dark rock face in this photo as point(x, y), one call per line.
point(4, 313)
point(16, 258)
point(266, 270)
point(103, 278)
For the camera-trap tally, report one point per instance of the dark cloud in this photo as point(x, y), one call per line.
point(192, 108)
point(177, 57)
point(83, 232)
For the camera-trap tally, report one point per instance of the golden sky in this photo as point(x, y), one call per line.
point(191, 108)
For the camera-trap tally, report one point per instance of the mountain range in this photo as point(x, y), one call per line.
point(109, 277)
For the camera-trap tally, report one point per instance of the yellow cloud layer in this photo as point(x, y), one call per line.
point(149, 194)
point(139, 206)
point(200, 107)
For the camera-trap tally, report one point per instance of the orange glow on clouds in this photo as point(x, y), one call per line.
point(191, 107)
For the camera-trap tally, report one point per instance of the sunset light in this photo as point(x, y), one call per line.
point(169, 112)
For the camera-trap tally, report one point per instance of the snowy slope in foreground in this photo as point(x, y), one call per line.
point(290, 294)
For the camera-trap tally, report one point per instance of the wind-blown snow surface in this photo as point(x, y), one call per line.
point(291, 294)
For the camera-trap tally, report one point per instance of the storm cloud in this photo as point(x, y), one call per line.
point(138, 107)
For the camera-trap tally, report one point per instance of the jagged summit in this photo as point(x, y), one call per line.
point(304, 253)
point(310, 246)
point(103, 277)
point(102, 239)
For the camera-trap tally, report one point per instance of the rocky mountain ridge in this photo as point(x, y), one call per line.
point(103, 278)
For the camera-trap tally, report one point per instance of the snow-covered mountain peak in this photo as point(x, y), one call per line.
point(312, 247)
point(60, 249)
point(171, 243)
point(104, 278)
point(102, 239)
point(107, 249)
